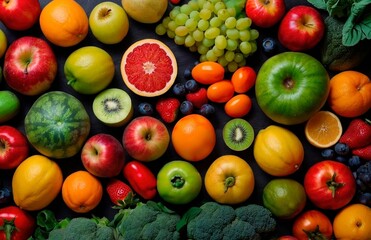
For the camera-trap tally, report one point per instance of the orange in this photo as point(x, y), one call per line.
point(220, 92)
point(64, 22)
point(353, 222)
point(193, 137)
point(350, 93)
point(36, 182)
point(81, 191)
point(323, 129)
point(238, 106)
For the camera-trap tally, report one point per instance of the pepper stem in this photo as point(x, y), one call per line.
point(177, 181)
point(229, 182)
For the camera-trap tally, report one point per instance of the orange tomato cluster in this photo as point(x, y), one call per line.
point(230, 92)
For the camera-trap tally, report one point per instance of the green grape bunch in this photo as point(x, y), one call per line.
point(213, 30)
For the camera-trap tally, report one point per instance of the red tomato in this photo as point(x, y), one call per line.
point(208, 72)
point(329, 184)
point(19, 223)
point(243, 79)
point(312, 224)
point(287, 237)
point(141, 179)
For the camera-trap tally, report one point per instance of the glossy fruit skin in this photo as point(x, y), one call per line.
point(238, 106)
point(89, 69)
point(50, 110)
point(301, 28)
point(14, 147)
point(117, 190)
point(145, 11)
point(141, 179)
point(178, 182)
point(265, 14)
point(353, 222)
point(23, 223)
point(311, 224)
point(278, 151)
point(220, 92)
point(291, 86)
point(229, 180)
point(287, 237)
point(321, 183)
point(243, 79)
point(36, 182)
point(9, 105)
point(3, 45)
point(208, 72)
point(357, 134)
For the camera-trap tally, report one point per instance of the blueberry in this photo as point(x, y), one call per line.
point(179, 89)
point(207, 109)
point(354, 161)
point(365, 178)
point(188, 73)
point(191, 85)
point(341, 149)
point(5, 195)
point(364, 198)
point(361, 185)
point(269, 45)
point(342, 159)
point(145, 108)
point(328, 153)
point(186, 107)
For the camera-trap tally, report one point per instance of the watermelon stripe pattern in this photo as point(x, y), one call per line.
point(57, 125)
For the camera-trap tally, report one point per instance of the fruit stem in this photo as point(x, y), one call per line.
point(288, 83)
point(229, 182)
point(8, 228)
point(368, 121)
point(315, 234)
point(333, 185)
point(177, 181)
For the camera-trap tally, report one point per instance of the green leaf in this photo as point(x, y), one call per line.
point(320, 4)
point(188, 216)
point(46, 219)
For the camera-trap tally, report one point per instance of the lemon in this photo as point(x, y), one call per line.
point(36, 182)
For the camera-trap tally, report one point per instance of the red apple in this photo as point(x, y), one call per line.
point(264, 13)
point(19, 14)
point(146, 138)
point(30, 66)
point(14, 147)
point(301, 28)
point(103, 155)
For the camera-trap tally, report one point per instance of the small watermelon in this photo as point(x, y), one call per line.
point(57, 125)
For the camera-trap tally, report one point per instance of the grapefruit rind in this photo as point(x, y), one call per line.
point(145, 74)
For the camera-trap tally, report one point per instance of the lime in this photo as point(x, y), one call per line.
point(9, 105)
point(284, 197)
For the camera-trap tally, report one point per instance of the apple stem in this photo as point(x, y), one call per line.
point(177, 181)
point(288, 83)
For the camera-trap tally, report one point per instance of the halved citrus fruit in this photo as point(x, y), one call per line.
point(323, 129)
point(149, 68)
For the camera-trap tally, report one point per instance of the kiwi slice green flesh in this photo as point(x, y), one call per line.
point(238, 134)
point(113, 107)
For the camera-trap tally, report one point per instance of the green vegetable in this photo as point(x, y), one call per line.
point(334, 55)
point(83, 228)
point(148, 220)
point(216, 221)
point(356, 15)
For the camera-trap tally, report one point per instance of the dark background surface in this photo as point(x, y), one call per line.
point(184, 58)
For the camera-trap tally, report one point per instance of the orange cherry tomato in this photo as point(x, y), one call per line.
point(208, 72)
point(243, 79)
point(220, 92)
point(238, 106)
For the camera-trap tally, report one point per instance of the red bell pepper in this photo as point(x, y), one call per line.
point(141, 179)
point(16, 224)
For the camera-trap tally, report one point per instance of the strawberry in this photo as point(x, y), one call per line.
point(118, 191)
point(364, 152)
point(198, 98)
point(168, 108)
point(358, 134)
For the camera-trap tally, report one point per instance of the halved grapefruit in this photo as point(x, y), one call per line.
point(149, 68)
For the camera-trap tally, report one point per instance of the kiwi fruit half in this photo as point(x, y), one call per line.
point(113, 107)
point(238, 134)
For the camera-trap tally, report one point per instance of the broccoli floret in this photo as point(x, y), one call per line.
point(258, 216)
point(218, 222)
point(149, 221)
point(82, 228)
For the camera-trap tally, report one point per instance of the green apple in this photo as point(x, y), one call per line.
point(3, 43)
point(109, 22)
point(89, 70)
point(9, 105)
point(291, 86)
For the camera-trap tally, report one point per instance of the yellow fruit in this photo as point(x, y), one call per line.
point(3, 43)
point(323, 129)
point(145, 11)
point(278, 151)
point(36, 182)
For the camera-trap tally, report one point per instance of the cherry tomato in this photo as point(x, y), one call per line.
point(238, 106)
point(312, 224)
point(329, 184)
point(208, 72)
point(220, 92)
point(243, 79)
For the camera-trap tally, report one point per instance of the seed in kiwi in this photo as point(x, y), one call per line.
point(113, 107)
point(238, 134)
